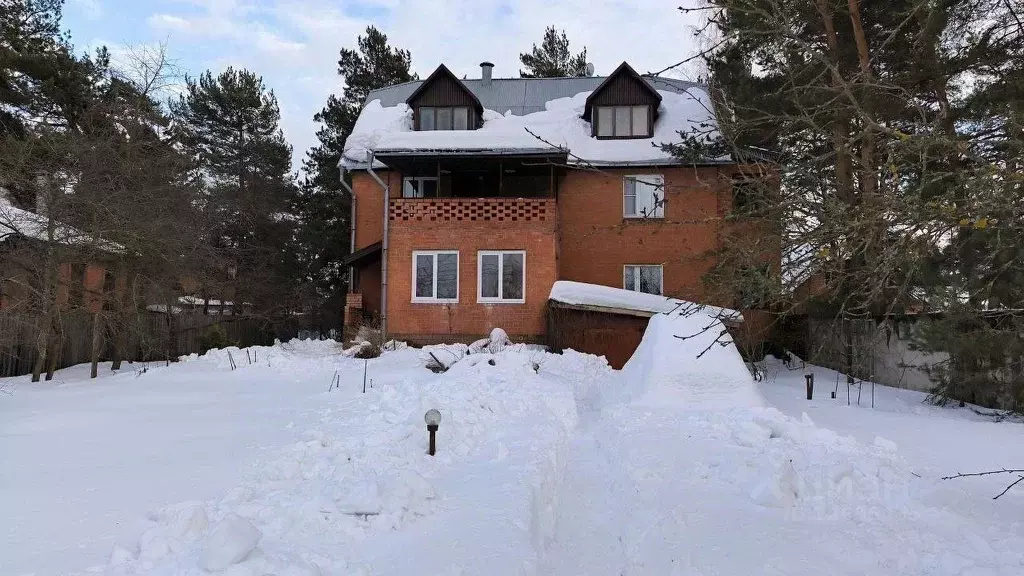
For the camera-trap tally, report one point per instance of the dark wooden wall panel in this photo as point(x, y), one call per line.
point(623, 90)
point(443, 91)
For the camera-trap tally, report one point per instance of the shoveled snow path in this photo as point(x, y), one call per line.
point(664, 491)
point(677, 466)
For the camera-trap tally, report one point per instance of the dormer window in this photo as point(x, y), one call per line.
point(623, 121)
point(442, 102)
point(444, 118)
point(624, 105)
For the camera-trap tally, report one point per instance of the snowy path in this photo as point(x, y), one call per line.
point(649, 491)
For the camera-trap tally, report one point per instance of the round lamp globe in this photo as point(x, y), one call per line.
point(432, 417)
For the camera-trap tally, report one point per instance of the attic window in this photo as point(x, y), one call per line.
point(444, 118)
point(623, 121)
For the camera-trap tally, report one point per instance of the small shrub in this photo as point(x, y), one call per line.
point(216, 336)
point(368, 350)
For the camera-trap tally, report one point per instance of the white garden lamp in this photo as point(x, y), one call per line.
point(433, 419)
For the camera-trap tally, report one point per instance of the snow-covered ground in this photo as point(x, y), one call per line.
point(546, 464)
point(83, 461)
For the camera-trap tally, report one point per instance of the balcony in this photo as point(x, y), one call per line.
point(505, 210)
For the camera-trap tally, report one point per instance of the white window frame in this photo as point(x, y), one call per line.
point(419, 182)
point(434, 299)
point(501, 268)
point(659, 209)
point(636, 277)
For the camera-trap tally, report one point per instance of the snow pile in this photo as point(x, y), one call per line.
point(313, 352)
point(687, 358)
point(443, 356)
point(546, 464)
point(560, 125)
point(584, 294)
point(360, 486)
point(230, 541)
point(374, 123)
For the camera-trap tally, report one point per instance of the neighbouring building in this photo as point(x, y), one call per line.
point(87, 272)
point(472, 197)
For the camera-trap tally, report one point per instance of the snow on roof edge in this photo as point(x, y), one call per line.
point(559, 125)
point(595, 295)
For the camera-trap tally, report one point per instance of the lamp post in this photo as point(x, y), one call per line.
point(433, 419)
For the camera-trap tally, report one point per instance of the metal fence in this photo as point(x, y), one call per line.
point(150, 337)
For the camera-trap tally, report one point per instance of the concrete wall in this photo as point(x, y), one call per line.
point(882, 352)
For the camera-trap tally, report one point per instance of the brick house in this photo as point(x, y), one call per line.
point(473, 196)
point(87, 272)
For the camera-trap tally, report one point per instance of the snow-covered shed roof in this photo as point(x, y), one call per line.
point(605, 298)
point(529, 116)
point(16, 221)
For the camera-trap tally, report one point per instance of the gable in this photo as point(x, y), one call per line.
point(442, 88)
point(624, 87)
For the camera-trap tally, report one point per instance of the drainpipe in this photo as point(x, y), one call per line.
point(351, 226)
point(383, 248)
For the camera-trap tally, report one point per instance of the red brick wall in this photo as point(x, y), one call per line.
point(468, 318)
point(590, 241)
point(93, 283)
point(370, 204)
point(597, 241)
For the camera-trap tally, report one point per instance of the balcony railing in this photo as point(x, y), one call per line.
point(472, 209)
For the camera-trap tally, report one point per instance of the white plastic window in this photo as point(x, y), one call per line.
point(501, 276)
point(435, 276)
point(643, 196)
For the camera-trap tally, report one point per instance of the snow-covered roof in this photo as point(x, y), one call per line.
point(522, 95)
point(385, 126)
point(606, 297)
point(16, 221)
point(797, 265)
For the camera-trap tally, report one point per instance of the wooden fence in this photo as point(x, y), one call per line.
point(152, 337)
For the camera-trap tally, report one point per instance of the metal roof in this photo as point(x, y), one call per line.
point(522, 95)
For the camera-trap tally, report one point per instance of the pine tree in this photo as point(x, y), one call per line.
point(899, 129)
point(552, 58)
point(230, 124)
point(324, 206)
point(42, 81)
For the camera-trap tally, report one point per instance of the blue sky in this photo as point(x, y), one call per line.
point(294, 44)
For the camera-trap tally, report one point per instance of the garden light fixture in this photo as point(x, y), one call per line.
point(433, 419)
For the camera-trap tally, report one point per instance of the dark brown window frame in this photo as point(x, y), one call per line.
point(595, 121)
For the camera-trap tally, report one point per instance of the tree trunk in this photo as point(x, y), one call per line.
point(56, 342)
point(48, 300)
point(97, 340)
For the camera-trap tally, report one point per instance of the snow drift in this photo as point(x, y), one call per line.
point(688, 358)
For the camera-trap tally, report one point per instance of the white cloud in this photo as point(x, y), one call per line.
point(294, 44)
point(170, 22)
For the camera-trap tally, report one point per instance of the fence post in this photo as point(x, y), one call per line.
point(810, 385)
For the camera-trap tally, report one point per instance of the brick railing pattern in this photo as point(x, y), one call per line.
point(472, 209)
